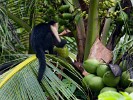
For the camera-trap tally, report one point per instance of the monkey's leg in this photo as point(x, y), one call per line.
point(51, 49)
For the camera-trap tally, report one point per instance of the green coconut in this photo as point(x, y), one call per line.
point(129, 89)
point(102, 69)
point(87, 78)
point(96, 84)
point(61, 29)
point(91, 65)
point(108, 89)
point(124, 79)
point(123, 66)
point(110, 80)
point(64, 7)
point(67, 16)
point(62, 22)
point(63, 52)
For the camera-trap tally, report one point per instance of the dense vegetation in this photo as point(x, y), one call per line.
point(97, 58)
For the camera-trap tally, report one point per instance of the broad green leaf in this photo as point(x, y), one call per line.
point(69, 85)
point(21, 83)
point(131, 80)
point(131, 95)
point(126, 95)
point(110, 95)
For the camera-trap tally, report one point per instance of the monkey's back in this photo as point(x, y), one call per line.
point(41, 36)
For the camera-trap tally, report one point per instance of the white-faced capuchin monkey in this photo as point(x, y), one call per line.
point(44, 37)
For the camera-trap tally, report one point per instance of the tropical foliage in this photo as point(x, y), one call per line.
point(99, 29)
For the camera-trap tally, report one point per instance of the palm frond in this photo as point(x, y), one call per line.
point(21, 83)
point(124, 44)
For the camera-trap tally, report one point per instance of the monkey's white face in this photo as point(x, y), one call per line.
point(54, 29)
point(56, 26)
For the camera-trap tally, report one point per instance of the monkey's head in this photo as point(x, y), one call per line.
point(53, 23)
point(54, 27)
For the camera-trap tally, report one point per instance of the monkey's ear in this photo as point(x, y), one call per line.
point(55, 32)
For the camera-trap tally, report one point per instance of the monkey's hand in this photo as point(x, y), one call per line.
point(61, 44)
point(65, 32)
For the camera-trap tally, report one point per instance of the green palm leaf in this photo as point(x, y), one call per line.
point(21, 83)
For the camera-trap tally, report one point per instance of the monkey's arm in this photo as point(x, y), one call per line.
point(61, 44)
point(55, 32)
point(66, 32)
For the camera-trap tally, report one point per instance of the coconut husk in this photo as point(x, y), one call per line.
point(100, 52)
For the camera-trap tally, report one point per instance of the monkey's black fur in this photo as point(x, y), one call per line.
point(42, 38)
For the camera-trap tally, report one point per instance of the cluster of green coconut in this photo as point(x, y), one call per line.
point(64, 17)
point(65, 14)
point(101, 78)
point(104, 11)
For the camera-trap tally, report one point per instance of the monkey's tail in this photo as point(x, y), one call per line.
point(42, 64)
